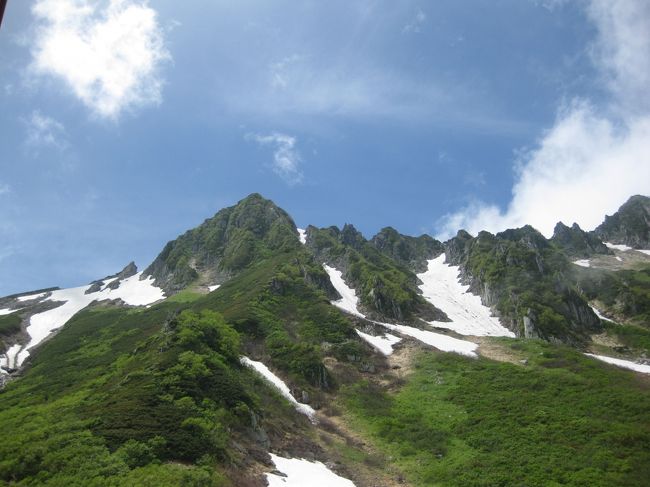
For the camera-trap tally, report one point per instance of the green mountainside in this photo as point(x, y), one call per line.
point(158, 396)
point(630, 225)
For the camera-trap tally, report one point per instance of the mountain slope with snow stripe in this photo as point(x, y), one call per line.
point(302, 473)
point(441, 287)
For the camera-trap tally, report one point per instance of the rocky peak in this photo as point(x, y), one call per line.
point(575, 242)
point(412, 252)
point(630, 225)
point(225, 244)
point(351, 236)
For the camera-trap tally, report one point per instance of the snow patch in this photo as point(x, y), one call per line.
point(643, 251)
point(622, 363)
point(302, 235)
point(301, 473)
point(29, 297)
point(599, 314)
point(383, 344)
point(8, 311)
point(619, 259)
point(583, 263)
point(9, 360)
point(279, 384)
point(214, 287)
point(349, 302)
point(132, 291)
point(621, 247)
point(441, 287)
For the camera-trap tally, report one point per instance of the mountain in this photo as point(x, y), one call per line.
point(630, 225)
point(252, 353)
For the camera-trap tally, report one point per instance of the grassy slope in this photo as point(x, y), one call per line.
point(561, 420)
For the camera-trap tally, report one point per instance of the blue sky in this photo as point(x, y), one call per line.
point(125, 122)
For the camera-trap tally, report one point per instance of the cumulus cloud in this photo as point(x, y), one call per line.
point(108, 52)
point(593, 158)
point(44, 132)
point(286, 158)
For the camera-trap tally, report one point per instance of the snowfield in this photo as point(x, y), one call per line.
point(29, 297)
point(132, 291)
point(214, 287)
point(645, 369)
point(441, 287)
point(383, 344)
point(622, 248)
point(349, 303)
point(643, 251)
point(303, 473)
point(582, 263)
point(279, 384)
point(302, 235)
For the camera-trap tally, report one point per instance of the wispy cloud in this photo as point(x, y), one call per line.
point(4, 189)
point(415, 24)
point(44, 132)
point(108, 52)
point(286, 158)
point(593, 158)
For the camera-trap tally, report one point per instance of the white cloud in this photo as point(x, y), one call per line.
point(44, 132)
point(286, 158)
point(108, 52)
point(415, 24)
point(4, 189)
point(592, 159)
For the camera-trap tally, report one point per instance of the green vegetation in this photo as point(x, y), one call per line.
point(563, 419)
point(9, 324)
point(528, 277)
point(411, 252)
point(624, 293)
point(382, 284)
point(234, 238)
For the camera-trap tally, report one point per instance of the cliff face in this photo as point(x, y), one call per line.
point(577, 243)
point(526, 281)
point(225, 244)
point(630, 225)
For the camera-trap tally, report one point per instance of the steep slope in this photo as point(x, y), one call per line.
point(630, 225)
point(387, 289)
point(412, 252)
point(223, 245)
point(576, 243)
point(526, 281)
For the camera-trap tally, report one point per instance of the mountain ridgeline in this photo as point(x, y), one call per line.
point(247, 336)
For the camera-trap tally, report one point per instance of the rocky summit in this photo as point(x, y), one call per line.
point(251, 352)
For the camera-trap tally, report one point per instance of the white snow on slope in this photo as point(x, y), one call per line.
point(583, 263)
point(599, 314)
point(132, 291)
point(9, 360)
point(643, 251)
point(619, 259)
point(303, 235)
point(441, 287)
point(349, 300)
point(383, 344)
point(621, 247)
point(8, 311)
point(279, 384)
point(29, 297)
point(442, 342)
point(214, 288)
point(303, 473)
point(622, 363)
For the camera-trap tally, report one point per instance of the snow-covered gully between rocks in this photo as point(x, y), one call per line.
point(441, 286)
point(279, 384)
point(349, 303)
